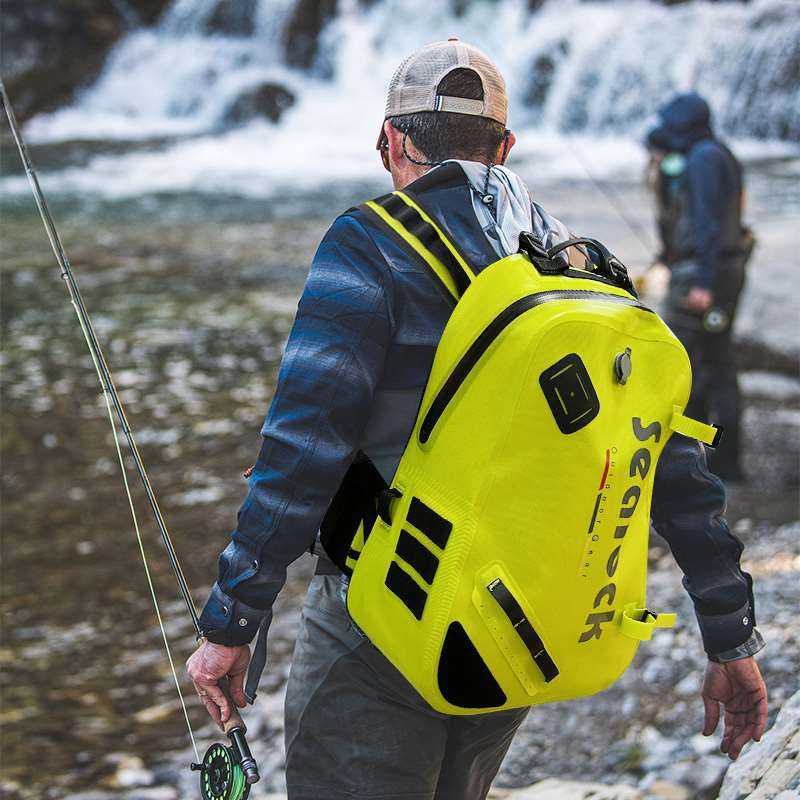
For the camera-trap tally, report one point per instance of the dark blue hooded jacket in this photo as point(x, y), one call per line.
point(699, 222)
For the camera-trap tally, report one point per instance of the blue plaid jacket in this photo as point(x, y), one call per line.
point(354, 369)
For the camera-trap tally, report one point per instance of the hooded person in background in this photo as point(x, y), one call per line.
point(350, 384)
point(699, 197)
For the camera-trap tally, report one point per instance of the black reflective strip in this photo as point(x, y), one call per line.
point(354, 554)
point(391, 233)
point(427, 521)
point(420, 196)
point(439, 249)
point(407, 589)
point(424, 231)
point(392, 203)
point(413, 222)
point(492, 331)
point(524, 629)
point(410, 218)
point(413, 552)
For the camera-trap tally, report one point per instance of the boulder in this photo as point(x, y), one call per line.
point(268, 100)
point(769, 769)
point(301, 34)
point(542, 72)
point(52, 49)
point(233, 17)
point(555, 789)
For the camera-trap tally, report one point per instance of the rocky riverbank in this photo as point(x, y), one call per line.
point(639, 740)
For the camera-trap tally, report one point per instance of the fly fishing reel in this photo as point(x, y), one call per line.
point(221, 774)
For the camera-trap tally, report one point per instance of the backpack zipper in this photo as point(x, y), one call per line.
point(487, 336)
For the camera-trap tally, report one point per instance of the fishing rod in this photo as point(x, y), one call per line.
point(611, 196)
point(226, 771)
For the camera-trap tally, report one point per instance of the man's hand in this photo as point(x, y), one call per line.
point(211, 662)
point(699, 299)
point(739, 687)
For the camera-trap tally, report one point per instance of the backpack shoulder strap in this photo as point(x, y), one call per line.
point(407, 220)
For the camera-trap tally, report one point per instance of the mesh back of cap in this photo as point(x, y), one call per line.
point(414, 83)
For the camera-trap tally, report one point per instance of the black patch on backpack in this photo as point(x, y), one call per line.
point(570, 394)
point(353, 503)
point(464, 679)
point(413, 552)
point(407, 589)
point(427, 521)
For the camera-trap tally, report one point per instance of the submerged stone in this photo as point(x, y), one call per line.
point(268, 100)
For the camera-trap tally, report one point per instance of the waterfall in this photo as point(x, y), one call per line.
point(593, 70)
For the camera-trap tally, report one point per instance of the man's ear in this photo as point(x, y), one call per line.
point(505, 148)
point(395, 139)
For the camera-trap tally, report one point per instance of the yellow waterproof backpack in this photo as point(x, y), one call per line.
point(507, 565)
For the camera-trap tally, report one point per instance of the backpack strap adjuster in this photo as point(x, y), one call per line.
point(385, 501)
point(524, 629)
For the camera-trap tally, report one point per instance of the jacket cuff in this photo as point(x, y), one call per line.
point(723, 632)
point(703, 279)
point(228, 621)
point(749, 648)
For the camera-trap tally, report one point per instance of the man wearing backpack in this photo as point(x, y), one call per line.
point(699, 196)
point(350, 384)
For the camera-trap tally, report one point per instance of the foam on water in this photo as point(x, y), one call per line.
point(606, 67)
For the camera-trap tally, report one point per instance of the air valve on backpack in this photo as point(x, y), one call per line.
point(623, 366)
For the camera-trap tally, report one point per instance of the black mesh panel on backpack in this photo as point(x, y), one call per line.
point(354, 501)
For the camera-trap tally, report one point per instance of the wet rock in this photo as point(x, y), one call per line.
point(703, 745)
point(233, 17)
point(770, 768)
point(658, 750)
point(269, 100)
point(666, 790)
point(702, 776)
point(147, 11)
point(301, 34)
point(153, 793)
point(52, 49)
point(756, 355)
point(131, 773)
point(554, 789)
point(460, 7)
point(542, 72)
point(157, 713)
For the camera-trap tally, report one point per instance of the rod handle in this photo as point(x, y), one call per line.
point(235, 720)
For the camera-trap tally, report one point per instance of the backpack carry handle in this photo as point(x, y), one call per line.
point(609, 268)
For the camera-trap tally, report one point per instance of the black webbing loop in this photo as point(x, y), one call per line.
point(385, 498)
point(413, 222)
point(524, 629)
point(536, 252)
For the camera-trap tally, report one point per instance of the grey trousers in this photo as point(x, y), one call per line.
point(355, 728)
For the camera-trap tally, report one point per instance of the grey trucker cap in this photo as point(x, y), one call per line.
point(414, 83)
